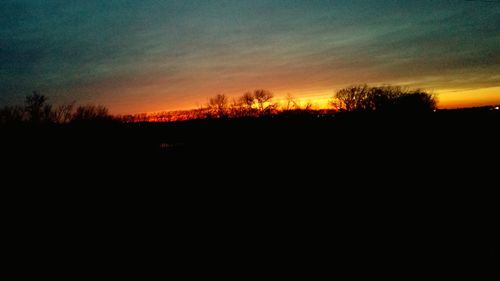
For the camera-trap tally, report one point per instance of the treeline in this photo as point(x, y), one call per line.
point(259, 103)
point(384, 99)
point(37, 110)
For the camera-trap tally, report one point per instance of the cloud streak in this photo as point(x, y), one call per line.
point(152, 55)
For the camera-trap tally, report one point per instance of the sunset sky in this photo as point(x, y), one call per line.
point(151, 55)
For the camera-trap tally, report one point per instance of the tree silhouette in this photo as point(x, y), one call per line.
point(263, 99)
point(352, 98)
point(12, 115)
point(416, 102)
point(237, 109)
point(383, 99)
point(247, 99)
point(36, 109)
point(219, 106)
point(247, 102)
point(91, 113)
point(63, 113)
point(291, 104)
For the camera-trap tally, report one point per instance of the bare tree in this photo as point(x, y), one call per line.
point(291, 103)
point(63, 113)
point(335, 104)
point(245, 105)
point(91, 113)
point(247, 100)
point(308, 106)
point(219, 105)
point(46, 113)
point(12, 114)
point(263, 100)
point(35, 107)
point(351, 98)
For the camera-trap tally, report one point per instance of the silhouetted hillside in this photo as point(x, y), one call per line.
point(361, 185)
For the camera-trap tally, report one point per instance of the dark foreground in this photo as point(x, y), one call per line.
point(401, 192)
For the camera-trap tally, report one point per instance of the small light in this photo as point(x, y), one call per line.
point(497, 108)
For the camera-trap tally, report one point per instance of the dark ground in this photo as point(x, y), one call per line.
point(389, 192)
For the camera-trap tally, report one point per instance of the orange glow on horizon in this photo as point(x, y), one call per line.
point(457, 98)
point(318, 99)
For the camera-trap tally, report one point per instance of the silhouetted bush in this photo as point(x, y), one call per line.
point(12, 115)
point(416, 102)
point(36, 110)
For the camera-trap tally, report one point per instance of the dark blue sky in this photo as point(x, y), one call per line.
point(152, 55)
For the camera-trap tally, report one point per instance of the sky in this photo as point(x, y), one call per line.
point(150, 55)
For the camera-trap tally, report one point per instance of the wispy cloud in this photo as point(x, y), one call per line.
point(140, 55)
